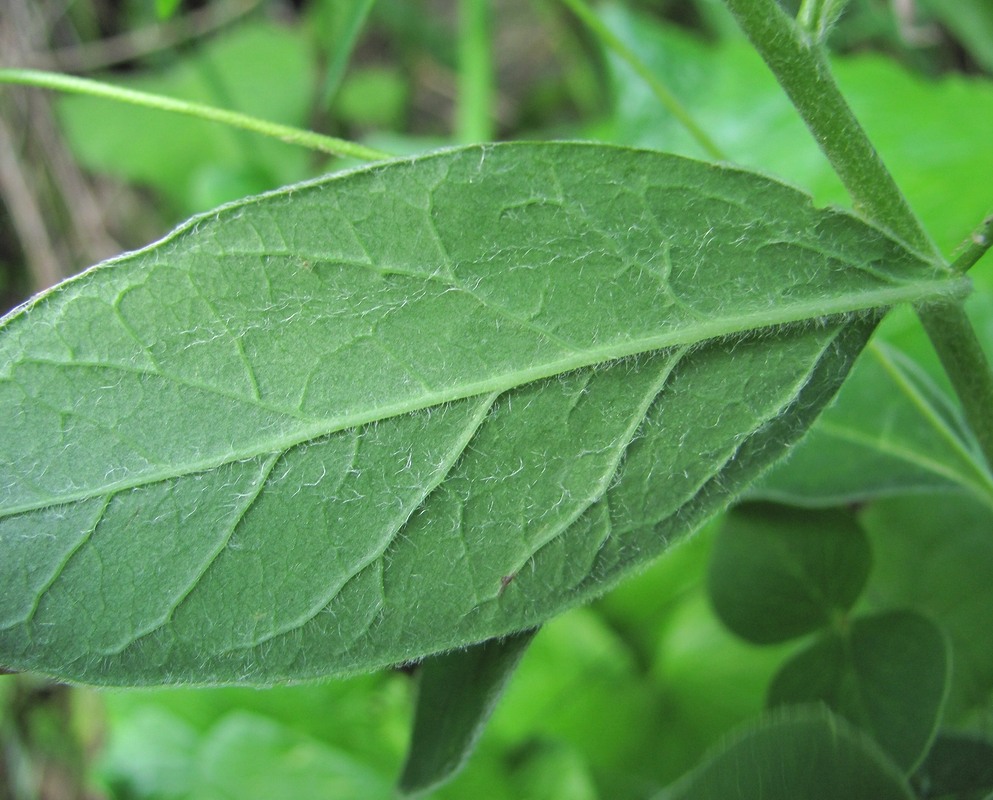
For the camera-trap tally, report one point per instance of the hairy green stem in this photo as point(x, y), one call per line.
point(963, 358)
point(801, 68)
point(474, 112)
point(978, 244)
point(596, 26)
point(286, 133)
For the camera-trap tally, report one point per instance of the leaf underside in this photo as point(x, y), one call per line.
point(410, 407)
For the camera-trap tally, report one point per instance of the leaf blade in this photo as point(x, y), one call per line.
point(495, 407)
point(899, 701)
point(674, 305)
point(456, 695)
point(776, 574)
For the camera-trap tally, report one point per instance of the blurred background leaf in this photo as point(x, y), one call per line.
point(260, 69)
point(805, 752)
point(957, 766)
point(885, 673)
point(891, 431)
point(934, 553)
point(777, 573)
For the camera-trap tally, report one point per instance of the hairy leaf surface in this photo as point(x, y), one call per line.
point(410, 407)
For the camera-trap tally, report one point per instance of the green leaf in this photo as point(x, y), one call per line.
point(934, 553)
point(166, 8)
point(367, 716)
point(253, 758)
point(547, 770)
point(710, 682)
point(958, 765)
point(796, 753)
point(640, 607)
point(373, 97)
point(155, 754)
point(457, 693)
point(777, 573)
point(150, 754)
point(580, 685)
point(887, 673)
point(410, 407)
point(891, 431)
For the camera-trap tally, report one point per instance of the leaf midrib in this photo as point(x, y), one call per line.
point(687, 335)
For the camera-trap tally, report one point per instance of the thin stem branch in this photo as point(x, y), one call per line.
point(807, 15)
point(474, 120)
point(817, 17)
point(978, 244)
point(286, 133)
point(671, 103)
point(90, 56)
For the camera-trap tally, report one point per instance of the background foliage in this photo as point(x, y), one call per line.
point(621, 698)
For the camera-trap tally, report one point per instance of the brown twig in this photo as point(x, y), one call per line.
point(92, 56)
point(26, 215)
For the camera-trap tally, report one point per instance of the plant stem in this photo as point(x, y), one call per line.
point(802, 70)
point(659, 89)
point(979, 243)
point(475, 96)
point(964, 361)
point(286, 133)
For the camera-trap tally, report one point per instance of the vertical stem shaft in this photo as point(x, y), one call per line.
point(475, 90)
point(803, 72)
point(963, 358)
